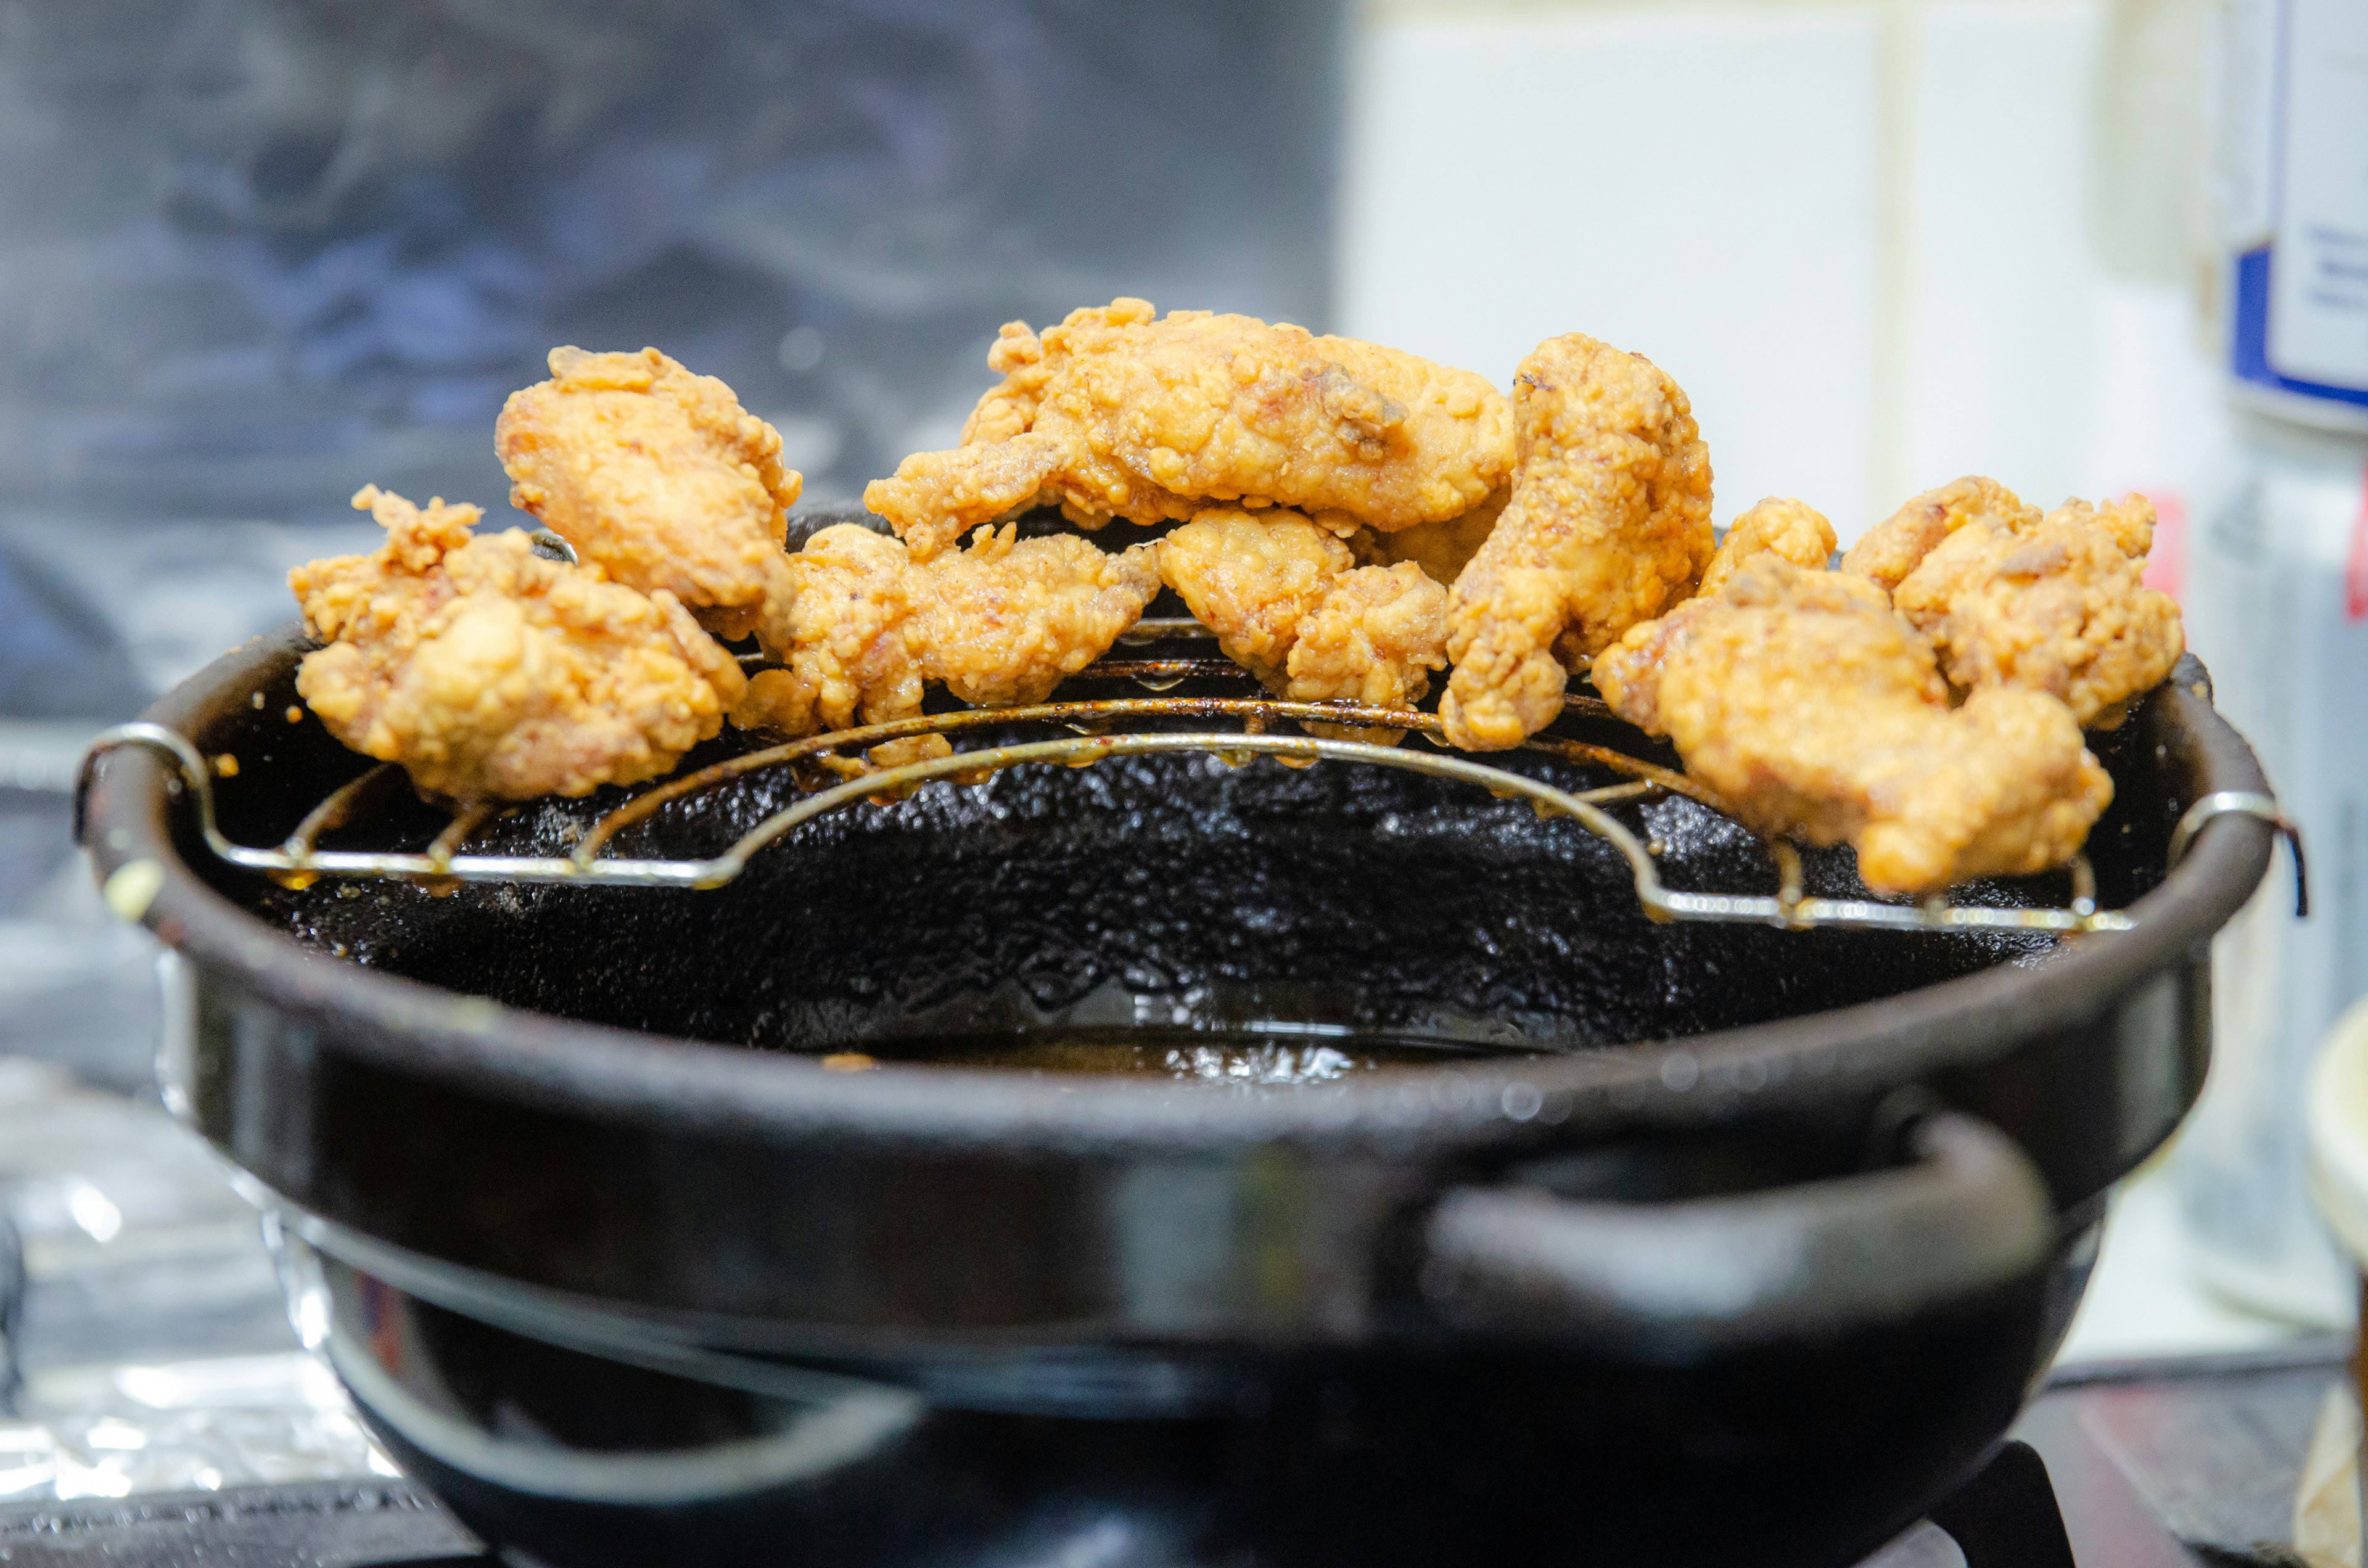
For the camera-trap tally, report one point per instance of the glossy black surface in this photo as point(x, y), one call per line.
point(1169, 892)
point(1803, 1455)
point(773, 1202)
point(1079, 1271)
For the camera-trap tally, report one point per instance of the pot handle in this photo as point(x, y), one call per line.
point(1684, 1279)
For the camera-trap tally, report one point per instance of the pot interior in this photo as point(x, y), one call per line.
point(1170, 914)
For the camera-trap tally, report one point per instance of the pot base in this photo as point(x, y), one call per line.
point(1803, 1456)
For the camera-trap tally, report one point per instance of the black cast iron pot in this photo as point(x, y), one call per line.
point(1588, 1239)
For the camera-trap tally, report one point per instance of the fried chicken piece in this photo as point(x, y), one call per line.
point(656, 474)
point(1288, 602)
point(964, 488)
point(1005, 620)
point(1372, 638)
point(1813, 711)
point(1151, 420)
point(1609, 525)
point(2129, 522)
point(1891, 549)
point(1628, 674)
point(1777, 526)
point(1252, 579)
point(839, 635)
point(490, 673)
point(2053, 606)
point(1442, 549)
point(1001, 624)
point(1007, 409)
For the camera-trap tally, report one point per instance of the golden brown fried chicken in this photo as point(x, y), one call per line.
point(1891, 549)
point(1441, 549)
point(943, 495)
point(840, 636)
point(656, 474)
point(1608, 525)
point(2053, 605)
point(491, 674)
point(1113, 413)
point(1288, 603)
point(1252, 579)
point(1628, 675)
point(1005, 620)
point(866, 626)
point(1813, 711)
point(1372, 638)
point(1778, 526)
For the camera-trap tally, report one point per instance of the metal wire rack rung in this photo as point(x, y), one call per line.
point(299, 859)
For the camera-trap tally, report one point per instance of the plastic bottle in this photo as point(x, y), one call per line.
point(2277, 606)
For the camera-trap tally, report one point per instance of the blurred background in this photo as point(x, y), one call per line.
point(259, 253)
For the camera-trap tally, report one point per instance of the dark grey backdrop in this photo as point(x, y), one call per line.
point(256, 252)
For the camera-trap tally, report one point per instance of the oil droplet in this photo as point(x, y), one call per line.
point(294, 881)
point(848, 1062)
point(132, 887)
point(294, 715)
point(226, 765)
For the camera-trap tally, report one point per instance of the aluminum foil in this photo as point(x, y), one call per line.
point(144, 1346)
point(184, 1426)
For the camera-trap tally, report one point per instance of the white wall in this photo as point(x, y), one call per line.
point(1863, 234)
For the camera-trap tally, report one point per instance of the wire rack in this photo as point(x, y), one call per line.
point(1101, 729)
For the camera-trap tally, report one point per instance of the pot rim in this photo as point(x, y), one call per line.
point(617, 1075)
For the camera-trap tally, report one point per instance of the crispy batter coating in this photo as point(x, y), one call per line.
point(2053, 606)
point(1443, 549)
point(1008, 408)
point(1252, 578)
point(1778, 526)
point(1288, 602)
point(1813, 711)
point(491, 674)
point(1000, 624)
point(2129, 520)
point(1151, 420)
point(1372, 638)
point(658, 475)
point(1608, 525)
point(1891, 549)
point(1629, 674)
point(952, 492)
point(841, 638)
point(1005, 620)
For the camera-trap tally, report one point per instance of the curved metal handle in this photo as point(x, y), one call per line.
point(1676, 1281)
point(2242, 803)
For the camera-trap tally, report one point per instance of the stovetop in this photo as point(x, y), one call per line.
point(2226, 1461)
